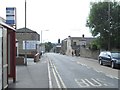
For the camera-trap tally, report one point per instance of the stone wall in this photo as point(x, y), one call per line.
point(89, 53)
point(26, 36)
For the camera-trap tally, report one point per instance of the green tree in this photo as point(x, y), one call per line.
point(104, 22)
point(48, 46)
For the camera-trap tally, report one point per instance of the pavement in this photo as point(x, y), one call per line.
point(34, 75)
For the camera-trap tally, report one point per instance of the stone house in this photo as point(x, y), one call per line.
point(32, 40)
point(73, 44)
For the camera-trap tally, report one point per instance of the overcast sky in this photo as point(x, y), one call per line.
point(62, 18)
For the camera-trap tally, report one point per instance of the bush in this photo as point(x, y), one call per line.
point(94, 47)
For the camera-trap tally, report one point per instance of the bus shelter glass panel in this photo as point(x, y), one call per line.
point(5, 65)
point(0, 58)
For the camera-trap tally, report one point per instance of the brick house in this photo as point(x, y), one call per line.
point(32, 39)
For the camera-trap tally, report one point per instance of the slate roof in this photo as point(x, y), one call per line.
point(23, 30)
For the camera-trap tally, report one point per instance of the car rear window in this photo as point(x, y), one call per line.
point(116, 55)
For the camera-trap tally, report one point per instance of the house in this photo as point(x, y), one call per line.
point(28, 42)
point(7, 54)
point(72, 44)
point(57, 48)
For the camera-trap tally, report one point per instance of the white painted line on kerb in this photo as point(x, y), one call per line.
point(49, 76)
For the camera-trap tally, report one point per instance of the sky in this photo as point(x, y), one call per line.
point(57, 19)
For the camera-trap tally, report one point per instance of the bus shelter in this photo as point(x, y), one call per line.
point(7, 54)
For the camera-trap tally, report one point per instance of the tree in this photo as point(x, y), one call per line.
point(48, 46)
point(104, 22)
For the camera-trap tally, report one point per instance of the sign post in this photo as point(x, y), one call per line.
point(11, 16)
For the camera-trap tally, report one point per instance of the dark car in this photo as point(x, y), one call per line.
point(109, 58)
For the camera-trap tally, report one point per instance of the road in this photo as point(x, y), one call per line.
point(77, 72)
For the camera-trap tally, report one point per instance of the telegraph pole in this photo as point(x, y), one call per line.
point(25, 39)
point(109, 24)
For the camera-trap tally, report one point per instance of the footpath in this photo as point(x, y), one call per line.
point(34, 75)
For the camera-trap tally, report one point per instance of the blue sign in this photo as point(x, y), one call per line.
point(10, 22)
point(10, 15)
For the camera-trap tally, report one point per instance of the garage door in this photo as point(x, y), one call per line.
point(0, 58)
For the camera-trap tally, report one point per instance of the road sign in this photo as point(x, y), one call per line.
point(10, 15)
point(30, 44)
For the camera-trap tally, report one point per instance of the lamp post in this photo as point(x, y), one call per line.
point(41, 37)
point(25, 40)
point(41, 34)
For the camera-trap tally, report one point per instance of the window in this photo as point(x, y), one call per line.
point(74, 43)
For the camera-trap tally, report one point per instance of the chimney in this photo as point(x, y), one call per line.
point(83, 36)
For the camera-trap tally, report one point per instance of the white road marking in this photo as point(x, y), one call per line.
point(49, 76)
point(63, 84)
point(109, 76)
point(98, 71)
point(88, 67)
point(78, 62)
point(95, 81)
point(116, 77)
point(92, 82)
point(72, 60)
point(82, 83)
point(58, 84)
point(57, 81)
point(112, 76)
point(102, 81)
point(83, 65)
point(105, 83)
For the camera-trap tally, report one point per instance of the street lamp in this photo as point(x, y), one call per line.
point(41, 37)
point(41, 34)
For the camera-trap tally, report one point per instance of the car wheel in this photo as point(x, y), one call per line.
point(100, 62)
point(112, 64)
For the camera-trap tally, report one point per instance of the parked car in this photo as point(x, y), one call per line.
point(109, 58)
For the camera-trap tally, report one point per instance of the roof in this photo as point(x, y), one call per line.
point(25, 30)
point(7, 26)
point(82, 39)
